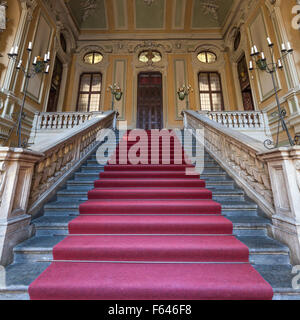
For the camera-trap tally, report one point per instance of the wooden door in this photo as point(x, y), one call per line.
point(149, 102)
point(245, 85)
point(55, 86)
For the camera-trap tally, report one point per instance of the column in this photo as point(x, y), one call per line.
point(16, 170)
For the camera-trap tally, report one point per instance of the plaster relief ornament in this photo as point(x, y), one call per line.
point(3, 7)
point(149, 2)
point(88, 8)
point(210, 7)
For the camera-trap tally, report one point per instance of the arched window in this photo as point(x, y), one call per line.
point(93, 58)
point(63, 42)
point(210, 90)
point(207, 57)
point(150, 55)
point(89, 94)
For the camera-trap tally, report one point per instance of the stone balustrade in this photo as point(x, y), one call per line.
point(61, 120)
point(252, 123)
point(271, 178)
point(247, 120)
point(29, 178)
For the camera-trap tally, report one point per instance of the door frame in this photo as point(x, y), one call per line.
point(137, 71)
point(162, 96)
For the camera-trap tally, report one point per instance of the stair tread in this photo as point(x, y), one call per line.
point(162, 248)
point(52, 221)
point(39, 243)
point(263, 244)
point(19, 276)
point(128, 281)
point(279, 276)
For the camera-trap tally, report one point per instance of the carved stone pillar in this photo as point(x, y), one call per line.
point(284, 170)
point(16, 169)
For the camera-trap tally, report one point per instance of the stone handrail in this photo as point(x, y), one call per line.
point(271, 178)
point(62, 155)
point(252, 123)
point(30, 177)
point(238, 154)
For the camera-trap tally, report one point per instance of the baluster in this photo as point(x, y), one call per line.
point(261, 120)
point(65, 122)
point(230, 122)
point(256, 120)
point(251, 122)
point(246, 122)
point(50, 121)
point(45, 121)
point(70, 120)
point(54, 123)
point(220, 118)
point(59, 122)
point(240, 120)
point(235, 120)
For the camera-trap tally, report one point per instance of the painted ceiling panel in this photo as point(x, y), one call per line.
point(137, 15)
point(203, 18)
point(89, 14)
point(179, 14)
point(150, 17)
point(120, 14)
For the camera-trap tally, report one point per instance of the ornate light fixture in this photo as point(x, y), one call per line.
point(210, 7)
point(184, 92)
point(39, 65)
point(271, 67)
point(116, 93)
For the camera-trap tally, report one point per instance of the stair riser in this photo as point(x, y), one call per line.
point(84, 197)
point(23, 257)
point(254, 258)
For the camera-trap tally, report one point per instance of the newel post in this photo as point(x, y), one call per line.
point(284, 170)
point(16, 170)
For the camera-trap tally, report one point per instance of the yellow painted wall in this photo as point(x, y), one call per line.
point(7, 37)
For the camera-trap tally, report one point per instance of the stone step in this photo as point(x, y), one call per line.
point(243, 226)
point(280, 278)
point(218, 195)
point(263, 250)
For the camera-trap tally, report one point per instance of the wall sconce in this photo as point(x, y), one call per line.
point(116, 93)
point(184, 92)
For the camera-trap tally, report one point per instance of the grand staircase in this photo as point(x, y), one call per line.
point(150, 227)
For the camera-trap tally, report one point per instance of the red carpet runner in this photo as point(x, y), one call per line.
point(150, 232)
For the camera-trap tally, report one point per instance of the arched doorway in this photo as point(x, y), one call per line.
point(150, 101)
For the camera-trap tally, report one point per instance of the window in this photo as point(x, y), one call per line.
point(63, 42)
point(207, 57)
point(210, 88)
point(89, 94)
point(93, 58)
point(237, 40)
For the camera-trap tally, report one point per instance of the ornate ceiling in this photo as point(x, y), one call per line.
point(167, 16)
